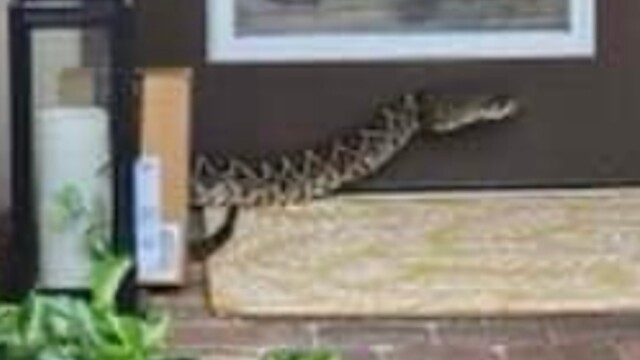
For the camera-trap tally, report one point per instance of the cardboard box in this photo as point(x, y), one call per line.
point(165, 113)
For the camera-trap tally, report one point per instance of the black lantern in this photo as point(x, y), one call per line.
point(74, 139)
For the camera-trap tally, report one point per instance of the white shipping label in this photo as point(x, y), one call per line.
point(170, 260)
point(149, 254)
point(165, 265)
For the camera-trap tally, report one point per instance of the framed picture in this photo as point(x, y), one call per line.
point(336, 30)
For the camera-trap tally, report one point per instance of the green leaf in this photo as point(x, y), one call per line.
point(89, 322)
point(110, 352)
point(61, 317)
point(33, 321)
point(120, 335)
point(68, 206)
point(106, 277)
point(52, 354)
point(8, 315)
point(301, 354)
point(99, 246)
point(127, 329)
point(9, 320)
point(155, 331)
point(97, 232)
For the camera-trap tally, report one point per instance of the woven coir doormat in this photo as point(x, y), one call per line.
point(413, 255)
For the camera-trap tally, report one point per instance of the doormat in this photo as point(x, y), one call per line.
point(418, 255)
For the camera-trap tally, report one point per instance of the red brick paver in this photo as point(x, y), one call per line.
point(629, 349)
point(445, 339)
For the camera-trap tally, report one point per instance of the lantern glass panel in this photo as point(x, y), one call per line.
point(71, 150)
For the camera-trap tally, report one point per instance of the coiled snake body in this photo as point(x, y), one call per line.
point(234, 183)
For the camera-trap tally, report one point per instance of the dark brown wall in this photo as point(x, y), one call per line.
point(581, 125)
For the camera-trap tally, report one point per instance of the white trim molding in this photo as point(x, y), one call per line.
point(577, 41)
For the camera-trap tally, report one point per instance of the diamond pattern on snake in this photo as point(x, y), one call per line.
point(226, 185)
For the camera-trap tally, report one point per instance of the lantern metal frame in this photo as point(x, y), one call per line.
point(25, 16)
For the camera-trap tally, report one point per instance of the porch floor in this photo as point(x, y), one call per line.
point(612, 336)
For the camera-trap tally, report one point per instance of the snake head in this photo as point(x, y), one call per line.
point(447, 114)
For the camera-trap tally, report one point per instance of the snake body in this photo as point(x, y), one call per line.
point(299, 177)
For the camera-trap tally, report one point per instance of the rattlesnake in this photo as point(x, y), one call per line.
point(298, 177)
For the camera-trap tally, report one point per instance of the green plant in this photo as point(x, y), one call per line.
point(63, 327)
point(301, 354)
point(70, 210)
point(48, 327)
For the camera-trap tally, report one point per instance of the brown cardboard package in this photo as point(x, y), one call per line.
point(165, 112)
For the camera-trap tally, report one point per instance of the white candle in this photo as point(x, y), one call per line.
point(71, 151)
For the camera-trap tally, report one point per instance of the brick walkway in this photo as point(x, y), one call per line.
point(603, 337)
point(561, 338)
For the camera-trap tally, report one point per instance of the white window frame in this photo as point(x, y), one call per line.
point(579, 41)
